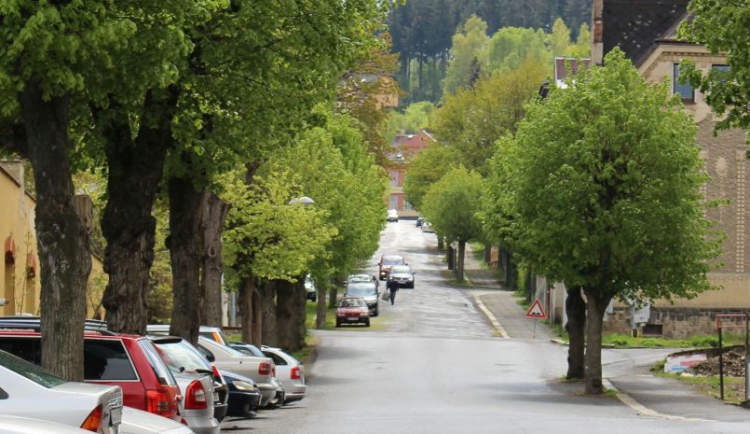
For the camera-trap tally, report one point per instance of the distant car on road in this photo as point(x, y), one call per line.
point(387, 261)
point(392, 215)
point(312, 293)
point(403, 275)
point(368, 290)
point(420, 220)
point(352, 310)
point(427, 227)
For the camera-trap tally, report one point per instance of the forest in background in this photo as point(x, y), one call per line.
point(423, 32)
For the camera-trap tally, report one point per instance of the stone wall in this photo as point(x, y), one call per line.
point(676, 323)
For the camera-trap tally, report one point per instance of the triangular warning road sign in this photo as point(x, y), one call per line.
point(536, 311)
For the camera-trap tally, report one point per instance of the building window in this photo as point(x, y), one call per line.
point(393, 202)
point(407, 206)
point(394, 179)
point(686, 91)
point(721, 72)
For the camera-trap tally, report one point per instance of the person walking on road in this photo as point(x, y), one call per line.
point(392, 287)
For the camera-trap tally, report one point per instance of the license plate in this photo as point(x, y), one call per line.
point(353, 319)
point(115, 416)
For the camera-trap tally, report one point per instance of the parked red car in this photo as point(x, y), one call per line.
point(352, 310)
point(128, 361)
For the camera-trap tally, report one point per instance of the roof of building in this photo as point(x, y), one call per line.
point(636, 26)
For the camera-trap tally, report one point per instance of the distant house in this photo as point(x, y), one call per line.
point(403, 150)
point(646, 30)
point(20, 273)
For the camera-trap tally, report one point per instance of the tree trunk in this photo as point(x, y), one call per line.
point(333, 295)
point(449, 257)
point(267, 292)
point(575, 307)
point(213, 216)
point(321, 311)
point(441, 243)
point(62, 237)
point(290, 314)
point(595, 304)
point(246, 309)
point(135, 170)
point(184, 243)
point(284, 313)
point(460, 262)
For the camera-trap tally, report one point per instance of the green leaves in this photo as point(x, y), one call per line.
point(453, 203)
point(601, 188)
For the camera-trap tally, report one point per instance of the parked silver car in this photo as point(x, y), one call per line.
point(290, 371)
point(135, 421)
point(261, 370)
point(29, 391)
point(403, 275)
point(195, 380)
point(23, 425)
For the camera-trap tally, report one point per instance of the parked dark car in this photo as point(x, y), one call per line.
point(419, 222)
point(244, 396)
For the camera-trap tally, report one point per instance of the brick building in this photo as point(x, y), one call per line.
point(405, 147)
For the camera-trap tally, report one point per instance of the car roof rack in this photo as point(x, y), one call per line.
point(35, 323)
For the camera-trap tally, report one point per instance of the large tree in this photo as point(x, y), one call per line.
point(471, 120)
point(469, 52)
point(57, 58)
point(452, 205)
point(723, 27)
point(603, 192)
point(426, 169)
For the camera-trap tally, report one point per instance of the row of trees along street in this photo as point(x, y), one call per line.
point(596, 185)
point(195, 116)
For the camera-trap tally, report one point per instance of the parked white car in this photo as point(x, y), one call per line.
point(27, 390)
point(290, 371)
point(261, 370)
point(135, 421)
point(23, 425)
point(392, 215)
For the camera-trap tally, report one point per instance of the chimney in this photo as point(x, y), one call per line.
point(597, 33)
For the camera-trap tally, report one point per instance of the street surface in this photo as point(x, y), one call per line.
point(434, 364)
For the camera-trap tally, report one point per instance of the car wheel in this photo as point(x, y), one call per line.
point(367, 323)
point(377, 311)
point(338, 323)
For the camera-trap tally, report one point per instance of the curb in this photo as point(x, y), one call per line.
point(495, 323)
point(641, 409)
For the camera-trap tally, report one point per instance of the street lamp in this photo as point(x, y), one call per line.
point(304, 200)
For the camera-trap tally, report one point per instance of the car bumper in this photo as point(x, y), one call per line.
point(267, 392)
point(202, 425)
point(295, 392)
point(220, 411)
point(239, 401)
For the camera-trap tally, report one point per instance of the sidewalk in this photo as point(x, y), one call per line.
point(647, 394)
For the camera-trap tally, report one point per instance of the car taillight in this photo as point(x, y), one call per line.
point(195, 397)
point(217, 375)
point(295, 373)
point(94, 420)
point(265, 368)
point(161, 402)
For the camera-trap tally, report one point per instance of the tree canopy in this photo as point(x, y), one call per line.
point(576, 191)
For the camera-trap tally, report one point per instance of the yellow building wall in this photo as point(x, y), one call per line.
point(19, 274)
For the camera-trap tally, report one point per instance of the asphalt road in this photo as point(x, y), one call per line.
point(433, 364)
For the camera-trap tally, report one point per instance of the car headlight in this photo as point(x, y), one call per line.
point(243, 386)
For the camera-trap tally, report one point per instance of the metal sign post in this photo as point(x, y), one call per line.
point(733, 321)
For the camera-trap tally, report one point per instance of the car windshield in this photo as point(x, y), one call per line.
point(361, 288)
point(401, 269)
point(393, 260)
point(352, 302)
point(29, 370)
point(182, 357)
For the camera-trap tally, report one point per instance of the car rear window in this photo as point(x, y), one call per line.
point(393, 260)
point(278, 360)
point(29, 370)
point(106, 360)
point(157, 364)
point(180, 356)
